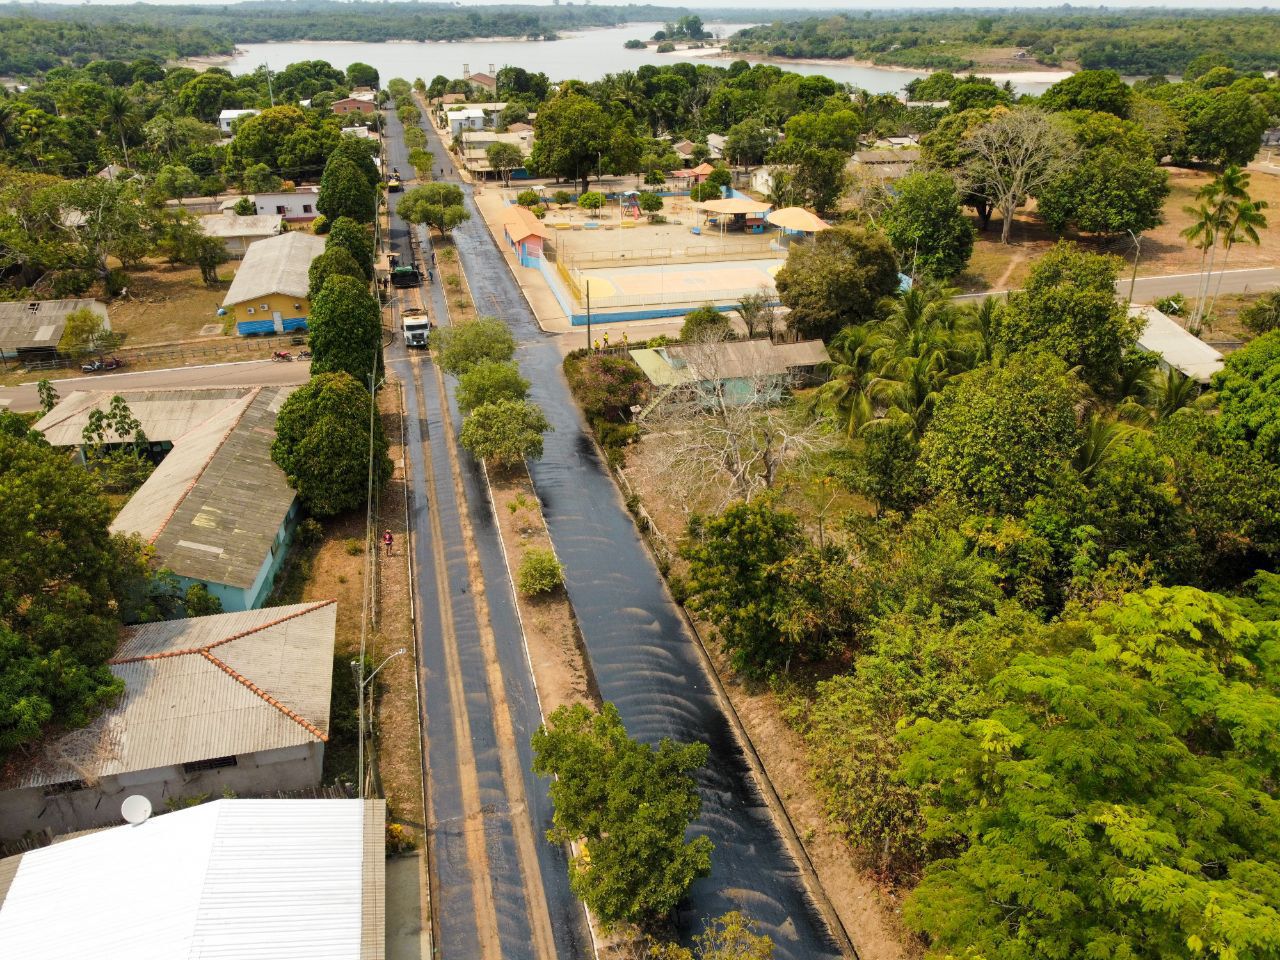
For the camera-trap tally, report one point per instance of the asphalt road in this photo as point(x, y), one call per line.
point(642, 653)
point(1150, 289)
point(253, 373)
point(465, 710)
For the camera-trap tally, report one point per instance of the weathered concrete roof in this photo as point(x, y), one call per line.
point(249, 879)
point(199, 689)
point(1176, 346)
point(275, 265)
point(226, 225)
point(165, 415)
point(39, 323)
point(214, 505)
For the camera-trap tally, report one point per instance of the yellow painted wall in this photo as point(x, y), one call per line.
point(274, 301)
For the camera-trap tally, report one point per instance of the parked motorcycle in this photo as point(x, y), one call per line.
point(102, 364)
point(304, 354)
point(281, 356)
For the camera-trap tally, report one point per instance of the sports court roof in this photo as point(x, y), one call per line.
point(735, 205)
point(797, 218)
point(199, 689)
point(244, 879)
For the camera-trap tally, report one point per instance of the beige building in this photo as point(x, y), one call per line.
point(232, 702)
point(32, 329)
point(236, 232)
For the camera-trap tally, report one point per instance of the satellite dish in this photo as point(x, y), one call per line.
point(135, 809)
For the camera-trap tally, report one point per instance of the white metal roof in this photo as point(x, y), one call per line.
point(1174, 345)
point(202, 688)
point(275, 265)
point(227, 880)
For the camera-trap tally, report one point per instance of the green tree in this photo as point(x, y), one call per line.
point(354, 238)
point(345, 327)
point(732, 936)
point(488, 382)
point(1226, 129)
point(572, 136)
point(199, 602)
point(359, 152)
point(926, 225)
point(1248, 388)
point(1077, 802)
point(505, 432)
point(1114, 186)
point(258, 139)
point(606, 385)
point(244, 207)
point(540, 572)
point(362, 75)
point(422, 162)
point(504, 157)
point(836, 280)
point(747, 142)
point(459, 348)
point(344, 192)
point(705, 323)
point(182, 240)
point(331, 263)
point(175, 180)
point(437, 205)
point(650, 202)
point(630, 804)
point(702, 192)
point(1100, 90)
point(591, 200)
point(1068, 307)
point(58, 620)
point(1263, 315)
point(1001, 434)
point(322, 444)
point(86, 332)
point(48, 395)
point(734, 560)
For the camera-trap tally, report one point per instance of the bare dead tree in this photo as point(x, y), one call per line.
point(758, 314)
point(730, 429)
point(1013, 155)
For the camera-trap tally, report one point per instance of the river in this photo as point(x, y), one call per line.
point(588, 55)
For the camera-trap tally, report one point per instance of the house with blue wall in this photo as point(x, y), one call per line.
point(269, 292)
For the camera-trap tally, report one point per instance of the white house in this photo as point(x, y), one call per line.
point(227, 117)
point(294, 205)
point(236, 232)
point(249, 879)
point(231, 702)
point(471, 118)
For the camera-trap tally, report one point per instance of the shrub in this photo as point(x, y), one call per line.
point(353, 547)
point(606, 386)
point(320, 225)
point(1263, 315)
point(528, 198)
point(562, 198)
point(540, 572)
point(591, 200)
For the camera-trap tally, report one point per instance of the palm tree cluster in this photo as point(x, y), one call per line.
point(892, 371)
point(1225, 214)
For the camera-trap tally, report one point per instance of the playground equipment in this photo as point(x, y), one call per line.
point(631, 204)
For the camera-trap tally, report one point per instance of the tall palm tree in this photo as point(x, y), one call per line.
point(907, 390)
point(120, 116)
point(846, 395)
point(1245, 221)
point(980, 323)
point(1203, 235)
point(1171, 391)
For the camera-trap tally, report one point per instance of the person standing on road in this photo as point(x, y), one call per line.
point(388, 542)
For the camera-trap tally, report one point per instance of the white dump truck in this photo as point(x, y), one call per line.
point(417, 324)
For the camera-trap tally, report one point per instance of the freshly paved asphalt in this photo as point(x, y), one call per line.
point(456, 933)
point(251, 373)
point(641, 651)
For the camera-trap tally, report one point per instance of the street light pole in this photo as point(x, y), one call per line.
point(357, 669)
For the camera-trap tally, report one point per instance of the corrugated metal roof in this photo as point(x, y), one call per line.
point(275, 265)
point(227, 880)
point(1176, 346)
point(39, 323)
point(165, 415)
point(201, 688)
point(730, 360)
point(213, 507)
